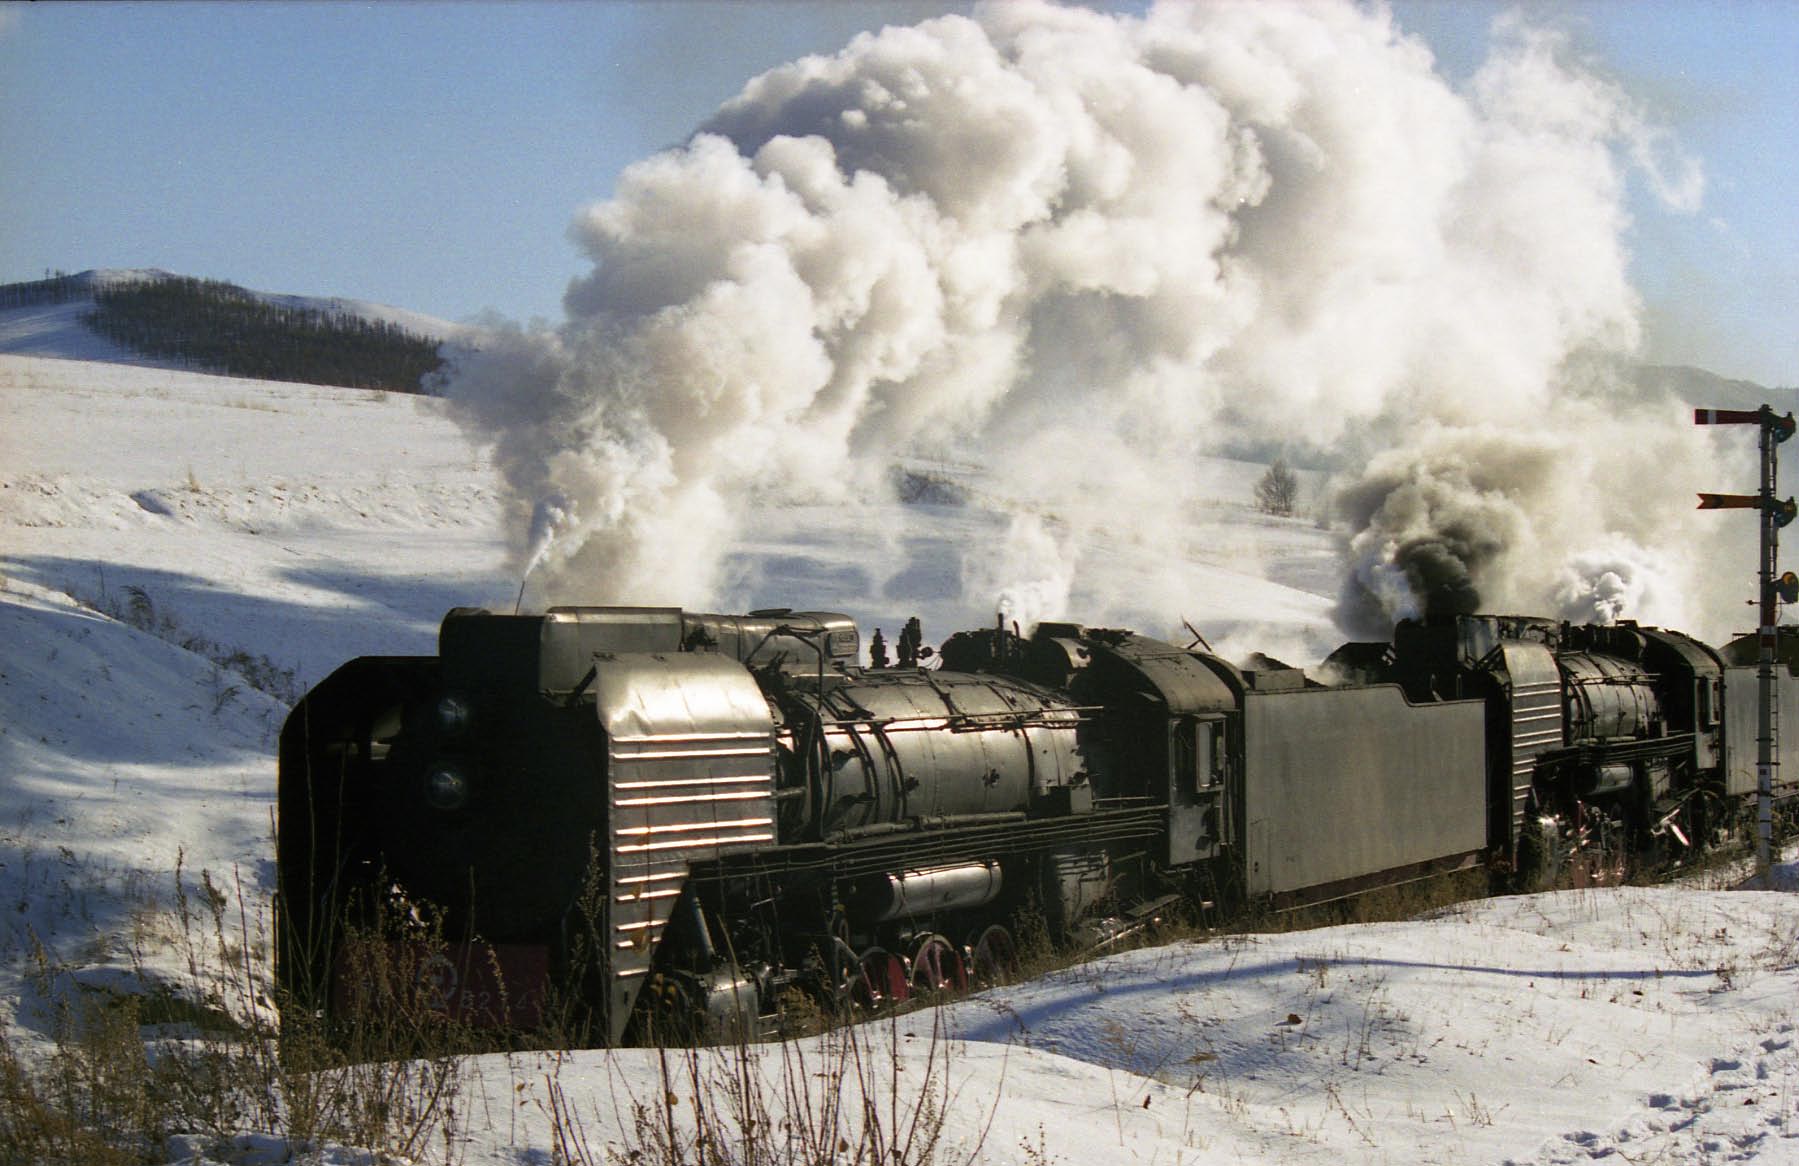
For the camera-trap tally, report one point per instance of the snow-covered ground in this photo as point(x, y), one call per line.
point(180, 553)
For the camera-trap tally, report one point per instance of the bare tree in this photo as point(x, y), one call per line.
point(1278, 490)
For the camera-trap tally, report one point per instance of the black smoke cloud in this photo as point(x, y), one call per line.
point(1440, 570)
point(1427, 529)
point(1589, 520)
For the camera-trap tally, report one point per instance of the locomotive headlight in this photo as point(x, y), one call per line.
point(446, 788)
point(452, 714)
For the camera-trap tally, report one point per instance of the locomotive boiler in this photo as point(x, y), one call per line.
point(651, 815)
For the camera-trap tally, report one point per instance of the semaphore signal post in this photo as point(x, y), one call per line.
point(1774, 515)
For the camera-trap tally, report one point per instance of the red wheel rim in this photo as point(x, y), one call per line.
point(886, 976)
point(937, 966)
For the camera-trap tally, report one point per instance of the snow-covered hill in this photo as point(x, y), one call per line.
point(180, 554)
point(55, 329)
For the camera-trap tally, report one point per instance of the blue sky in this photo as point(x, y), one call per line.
point(432, 155)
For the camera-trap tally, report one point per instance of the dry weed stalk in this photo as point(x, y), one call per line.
point(852, 1095)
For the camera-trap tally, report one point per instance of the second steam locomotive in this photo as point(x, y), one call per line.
point(656, 815)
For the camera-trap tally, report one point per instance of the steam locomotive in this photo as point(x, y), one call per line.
point(658, 815)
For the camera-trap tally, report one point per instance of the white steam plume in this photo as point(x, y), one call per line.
point(1082, 249)
point(1029, 572)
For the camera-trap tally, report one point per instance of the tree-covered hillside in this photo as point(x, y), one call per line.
point(52, 289)
point(222, 328)
point(217, 327)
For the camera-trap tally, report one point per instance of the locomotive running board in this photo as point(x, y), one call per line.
point(946, 844)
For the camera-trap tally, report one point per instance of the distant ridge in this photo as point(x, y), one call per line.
point(1709, 390)
point(152, 317)
point(51, 317)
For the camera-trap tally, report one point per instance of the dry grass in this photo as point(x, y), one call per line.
point(857, 1095)
point(122, 1073)
point(215, 1062)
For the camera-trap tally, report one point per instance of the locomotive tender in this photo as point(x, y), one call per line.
point(663, 815)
